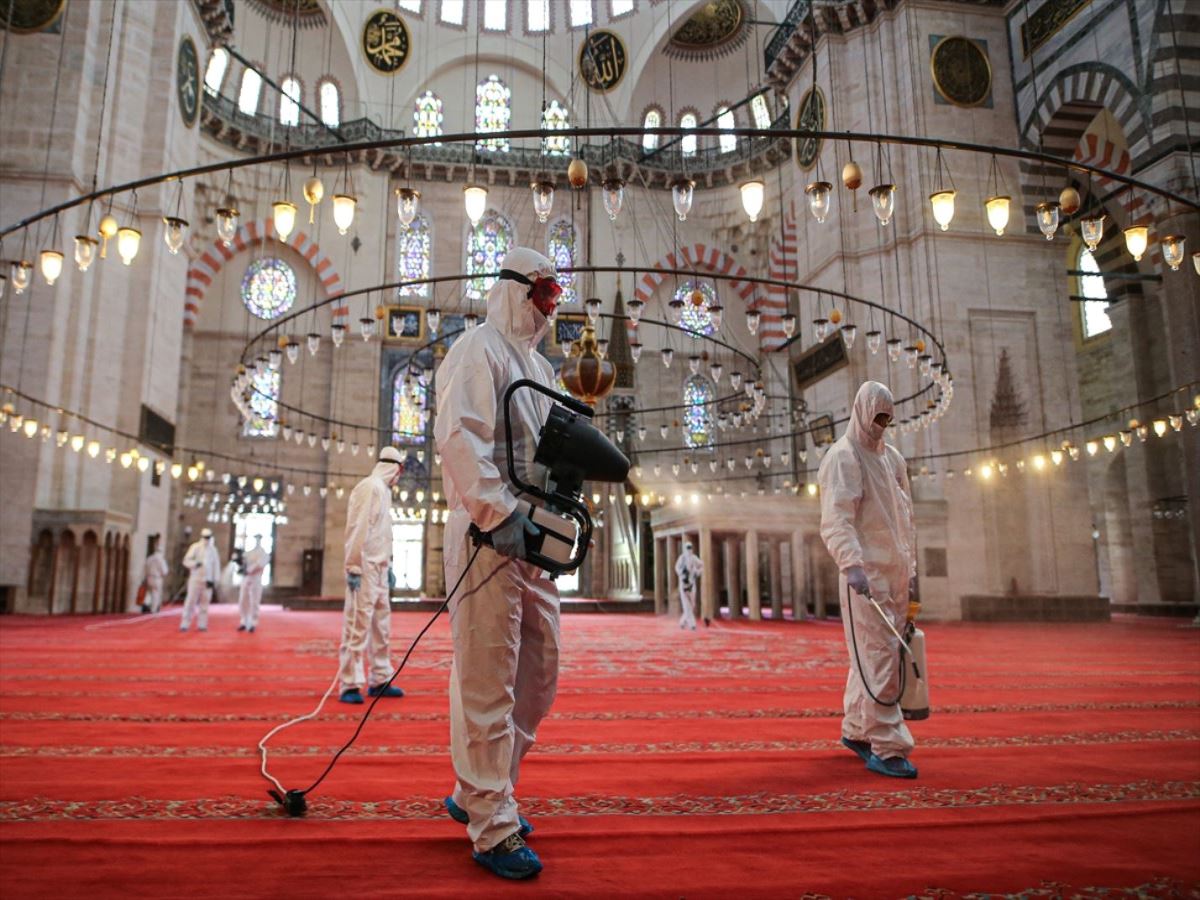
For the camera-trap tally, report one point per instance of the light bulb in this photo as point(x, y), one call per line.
point(227, 224)
point(820, 329)
point(910, 356)
point(85, 251)
point(126, 459)
point(634, 309)
point(366, 327)
point(174, 231)
point(1136, 239)
point(20, 273)
point(543, 199)
point(408, 204)
point(681, 197)
point(883, 200)
point(753, 193)
point(819, 195)
point(128, 241)
point(143, 463)
point(753, 317)
point(93, 449)
point(592, 305)
point(475, 201)
point(943, 208)
point(275, 358)
point(1173, 250)
point(1047, 218)
point(31, 427)
point(107, 229)
point(1092, 230)
point(997, 213)
point(176, 470)
point(668, 354)
point(338, 333)
point(789, 324)
point(893, 348)
point(715, 371)
point(52, 265)
point(284, 214)
point(849, 333)
point(1160, 427)
point(1110, 442)
point(293, 351)
point(614, 197)
point(1093, 448)
point(925, 361)
point(343, 212)
point(433, 318)
point(314, 191)
point(735, 381)
point(635, 350)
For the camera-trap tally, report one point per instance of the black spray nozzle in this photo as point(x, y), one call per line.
point(293, 802)
point(574, 451)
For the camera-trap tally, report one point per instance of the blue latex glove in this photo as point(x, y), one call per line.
point(391, 579)
point(509, 538)
point(856, 577)
point(354, 582)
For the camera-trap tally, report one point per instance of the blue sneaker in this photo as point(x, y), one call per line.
point(511, 858)
point(387, 691)
point(893, 766)
point(458, 814)
point(862, 748)
point(353, 695)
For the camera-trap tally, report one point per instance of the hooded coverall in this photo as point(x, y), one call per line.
point(250, 595)
point(867, 520)
point(154, 571)
point(688, 569)
point(204, 566)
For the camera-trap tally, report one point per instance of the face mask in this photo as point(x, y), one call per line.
point(543, 292)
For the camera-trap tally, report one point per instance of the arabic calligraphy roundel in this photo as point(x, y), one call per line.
point(385, 42)
point(602, 61)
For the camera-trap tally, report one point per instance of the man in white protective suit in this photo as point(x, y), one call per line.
point(250, 596)
point(504, 617)
point(367, 615)
point(867, 526)
point(204, 568)
point(688, 569)
point(153, 572)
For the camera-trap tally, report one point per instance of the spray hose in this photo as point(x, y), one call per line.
point(900, 653)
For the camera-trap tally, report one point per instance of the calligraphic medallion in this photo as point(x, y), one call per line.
point(385, 42)
point(29, 15)
point(602, 61)
point(187, 81)
point(962, 74)
point(810, 117)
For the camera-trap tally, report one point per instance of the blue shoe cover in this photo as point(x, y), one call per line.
point(511, 858)
point(351, 696)
point(387, 691)
point(862, 748)
point(458, 814)
point(893, 766)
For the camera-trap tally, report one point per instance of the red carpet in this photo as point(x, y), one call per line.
point(1061, 760)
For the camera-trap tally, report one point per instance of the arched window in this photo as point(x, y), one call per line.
point(688, 142)
point(1093, 313)
point(760, 111)
point(248, 95)
point(697, 415)
point(413, 245)
point(427, 115)
point(268, 288)
point(556, 117)
point(617, 8)
point(726, 122)
point(495, 15)
point(560, 247)
point(289, 101)
point(410, 400)
point(331, 105)
point(653, 120)
point(412, 6)
point(492, 112)
point(264, 404)
point(452, 12)
point(214, 75)
point(537, 16)
point(581, 13)
point(697, 297)
point(486, 246)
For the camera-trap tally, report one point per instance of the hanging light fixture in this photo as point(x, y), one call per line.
point(753, 194)
point(997, 213)
point(849, 333)
point(681, 196)
point(1091, 229)
point(614, 197)
point(819, 195)
point(735, 381)
point(543, 198)
point(1196, 261)
point(592, 306)
point(85, 251)
point(668, 354)
point(1047, 215)
point(675, 311)
point(635, 350)
point(227, 224)
point(284, 215)
point(475, 201)
point(753, 318)
point(634, 308)
point(1173, 250)
point(20, 273)
point(883, 200)
point(314, 192)
point(275, 359)
point(107, 229)
point(51, 265)
point(470, 320)
point(694, 364)
point(942, 203)
point(338, 333)
point(408, 204)
point(313, 340)
point(789, 324)
point(714, 371)
point(820, 329)
point(1137, 238)
point(129, 239)
point(433, 318)
point(1068, 199)
point(344, 206)
point(173, 233)
point(366, 327)
point(716, 314)
point(893, 348)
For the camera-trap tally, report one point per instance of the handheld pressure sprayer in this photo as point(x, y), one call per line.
point(913, 696)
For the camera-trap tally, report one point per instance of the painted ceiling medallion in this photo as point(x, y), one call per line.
point(385, 42)
point(30, 15)
point(715, 29)
point(305, 13)
point(962, 74)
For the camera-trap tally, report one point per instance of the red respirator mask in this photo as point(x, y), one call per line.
point(543, 291)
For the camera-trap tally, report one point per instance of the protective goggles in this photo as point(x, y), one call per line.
point(543, 291)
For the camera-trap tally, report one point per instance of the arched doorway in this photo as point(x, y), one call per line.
point(65, 570)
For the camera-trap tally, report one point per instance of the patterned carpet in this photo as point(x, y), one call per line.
point(1060, 760)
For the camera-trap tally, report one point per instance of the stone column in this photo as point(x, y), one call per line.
point(733, 589)
point(799, 595)
point(753, 597)
point(660, 576)
point(674, 546)
point(708, 590)
point(776, 575)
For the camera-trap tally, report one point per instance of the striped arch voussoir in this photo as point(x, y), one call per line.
point(205, 267)
point(781, 265)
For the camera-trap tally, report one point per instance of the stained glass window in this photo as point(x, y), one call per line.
point(492, 112)
point(289, 102)
point(269, 288)
point(331, 109)
point(688, 142)
point(726, 121)
point(264, 404)
point(697, 417)
point(555, 116)
point(653, 120)
point(413, 246)
point(758, 108)
point(1094, 314)
point(409, 400)
point(248, 94)
point(561, 250)
point(696, 317)
point(487, 244)
point(214, 75)
point(427, 117)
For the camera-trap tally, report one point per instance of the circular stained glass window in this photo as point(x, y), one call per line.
point(269, 288)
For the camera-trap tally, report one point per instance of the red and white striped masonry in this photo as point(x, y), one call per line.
point(1095, 151)
point(781, 265)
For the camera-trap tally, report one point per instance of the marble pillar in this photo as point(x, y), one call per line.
point(775, 573)
point(753, 597)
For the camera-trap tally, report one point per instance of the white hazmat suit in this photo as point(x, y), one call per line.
point(153, 573)
point(250, 595)
point(688, 569)
point(504, 617)
point(867, 521)
point(204, 568)
point(367, 616)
